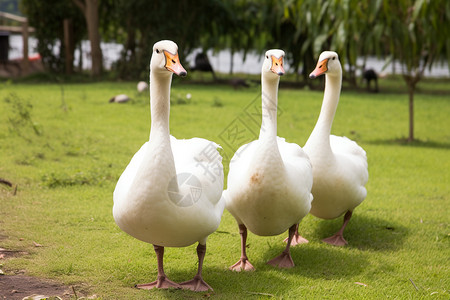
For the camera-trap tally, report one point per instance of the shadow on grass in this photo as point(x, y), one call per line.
point(227, 283)
point(315, 260)
point(365, 233)
point(416, 143)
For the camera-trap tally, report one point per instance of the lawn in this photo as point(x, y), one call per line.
point(65, 146)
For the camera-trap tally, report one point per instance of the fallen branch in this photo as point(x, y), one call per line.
point(4, 181)
point(414, 284)
point(75, 293)
point(360, 283)
point(10, 184)
point(263, 294)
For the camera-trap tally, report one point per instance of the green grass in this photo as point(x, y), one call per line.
point(65, 146)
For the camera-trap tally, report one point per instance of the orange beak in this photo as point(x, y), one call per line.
point(322, 67)
point(277, 65)
point(173, 64)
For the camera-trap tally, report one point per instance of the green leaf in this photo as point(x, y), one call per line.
point(341, 35)
point(416, 10)
point(318, 43)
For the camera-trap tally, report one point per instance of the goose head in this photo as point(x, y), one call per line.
point(165, 59)
point(273, 63)
point(328, 63)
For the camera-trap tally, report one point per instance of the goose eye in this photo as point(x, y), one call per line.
point(157, 51)
point(267, 56)
point(334, 57)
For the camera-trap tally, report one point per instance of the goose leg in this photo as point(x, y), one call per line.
point(162, 282)
point(284, 260)
point(338, 238)
point(297, 238)
point(198, 284)
point(243, 263)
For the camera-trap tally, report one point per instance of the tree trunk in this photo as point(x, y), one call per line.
point(90, 11)
point(351, 70)
point(411, 111)
point(411, 82)
point(25, 61)
point(69, 46)
point(80, 61)
point(94, 36)
point(231, 61)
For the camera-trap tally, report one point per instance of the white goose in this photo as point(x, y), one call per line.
point(170, 193)
point(142, 86)
point(339, 164)
point(270, 180)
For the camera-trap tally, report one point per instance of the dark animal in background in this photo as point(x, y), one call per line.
point(237, 83)
point(202, 64)
point(368, 76)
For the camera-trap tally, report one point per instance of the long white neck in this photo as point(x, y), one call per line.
point(269, 87)
point(157, 166)
point(268, 155)
point(160, 106)
point(321, 133)
point(160, 156)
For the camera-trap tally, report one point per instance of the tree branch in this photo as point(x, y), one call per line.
point(81, 5)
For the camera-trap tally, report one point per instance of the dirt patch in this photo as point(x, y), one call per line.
point(5, 254)
point(21, 286)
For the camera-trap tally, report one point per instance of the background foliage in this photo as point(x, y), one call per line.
point(412, 31)
point(47, 17)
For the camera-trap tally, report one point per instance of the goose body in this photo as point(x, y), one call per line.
point(152, 206)
point(165, 196)
point(339, 177)
point(122, 98)
point(142, 86)
point(269, 182)
point(340, 167)
point(263, 191)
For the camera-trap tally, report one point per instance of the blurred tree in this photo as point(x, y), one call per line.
point(90, 10)
point(191, 23)
point(412, 32)
point(236, 31)
point(47, 18)
point(304, 28)
point(417, 34)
